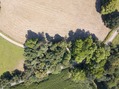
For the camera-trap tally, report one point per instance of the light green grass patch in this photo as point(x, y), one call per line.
point(10, 55)
point(118, 5)
point(109, 35)
point(116, 40)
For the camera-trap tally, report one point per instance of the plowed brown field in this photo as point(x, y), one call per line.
point(51, 16)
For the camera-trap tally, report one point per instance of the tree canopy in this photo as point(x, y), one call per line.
point(47, 57)
point(91, 56)
point(110, 6)
point(88, 60)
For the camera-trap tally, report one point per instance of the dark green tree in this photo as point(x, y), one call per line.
point(47, 57)
point(112, 69)
point(112, 21)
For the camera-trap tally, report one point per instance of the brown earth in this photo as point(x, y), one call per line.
point(51, 16)
point(20, 65)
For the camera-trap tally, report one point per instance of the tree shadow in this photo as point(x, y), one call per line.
point(72, 36)
point(80, 34)
point(6, 75)
point(108, 19)
point(56, 38)
point(98, 5)
point(111, 15)
point(30, 34)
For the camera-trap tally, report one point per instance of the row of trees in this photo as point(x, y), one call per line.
point(8, 79)
point(87, 60)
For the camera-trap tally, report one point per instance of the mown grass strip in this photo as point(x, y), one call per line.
point(116, 40)
point(108, 36)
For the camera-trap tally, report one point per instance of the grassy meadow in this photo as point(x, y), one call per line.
point(10, 55)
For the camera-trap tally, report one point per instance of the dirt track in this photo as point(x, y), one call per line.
point(51, 16)
point(11, 41)
point(111, 38)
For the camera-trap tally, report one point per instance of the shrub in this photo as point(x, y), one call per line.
point(109, 7)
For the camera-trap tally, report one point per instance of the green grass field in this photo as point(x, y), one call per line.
point(59, 81)
point(10, 55)
point(116, 40)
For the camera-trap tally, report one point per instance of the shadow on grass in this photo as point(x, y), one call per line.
point(72, 36)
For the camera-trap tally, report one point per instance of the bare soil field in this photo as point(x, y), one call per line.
point(50, 16)
point(20, 65)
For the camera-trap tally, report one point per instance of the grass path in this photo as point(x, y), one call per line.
point(112, 36)
point(116, 40)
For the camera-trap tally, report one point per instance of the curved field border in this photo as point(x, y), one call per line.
point(11, 41)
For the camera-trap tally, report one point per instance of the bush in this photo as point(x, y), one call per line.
point(109, 7)
point(111, 20)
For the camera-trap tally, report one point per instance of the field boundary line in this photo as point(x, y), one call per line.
point(11, 41)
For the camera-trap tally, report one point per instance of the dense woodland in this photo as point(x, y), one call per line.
point(87, 61)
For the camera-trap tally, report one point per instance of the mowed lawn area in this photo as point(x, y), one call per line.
point(116, 40)
point(10, 55)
